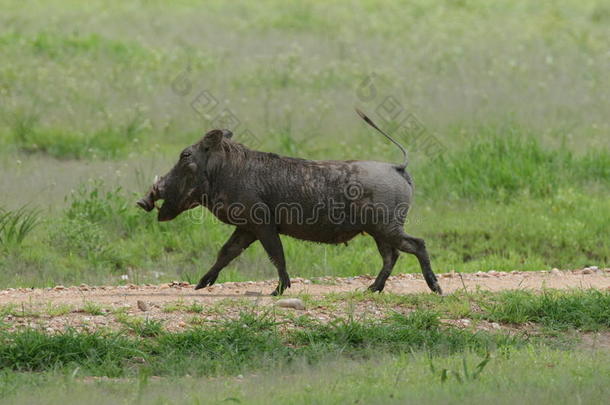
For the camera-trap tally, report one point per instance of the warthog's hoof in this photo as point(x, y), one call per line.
point(207, 280)
point(375, 287)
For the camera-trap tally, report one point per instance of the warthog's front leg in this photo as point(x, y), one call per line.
point(237, 243)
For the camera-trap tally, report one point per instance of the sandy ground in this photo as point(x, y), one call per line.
point(177, 305)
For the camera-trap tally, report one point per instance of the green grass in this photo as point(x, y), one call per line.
point(540, 376)
point(93, 308)
point(584, 310)
point(94, 111)
point(97, 97)
point(250, 342)
point(16, 225)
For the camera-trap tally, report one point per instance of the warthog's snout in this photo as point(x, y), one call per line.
point(147, 203)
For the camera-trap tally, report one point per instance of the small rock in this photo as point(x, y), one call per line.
point(50, 330)
point(594, 268)
point(556, 272)
point(59, 288)
point(307, 282)
point(293, 303)
point(587, 271)
point(143, 306)
point(495, 325)
point(182, 324)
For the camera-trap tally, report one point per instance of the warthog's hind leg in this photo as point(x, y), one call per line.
point(417, 247)
point(389, 254)
point(270, 239)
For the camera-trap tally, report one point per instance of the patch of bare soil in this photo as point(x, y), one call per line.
point(178, 306)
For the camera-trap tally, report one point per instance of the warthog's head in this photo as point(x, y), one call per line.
point(185, 186)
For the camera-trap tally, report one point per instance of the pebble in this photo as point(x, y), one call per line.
point(556, 272)
point(587, 271)
point(142, 305)
point(495, 325)
point(59, 288)
point(293, 303)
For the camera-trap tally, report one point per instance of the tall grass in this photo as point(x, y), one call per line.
point(504, 163)
point(16, 225)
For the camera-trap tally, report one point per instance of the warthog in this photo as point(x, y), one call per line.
point(265, 195)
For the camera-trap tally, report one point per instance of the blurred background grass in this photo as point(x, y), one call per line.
point(96, 98)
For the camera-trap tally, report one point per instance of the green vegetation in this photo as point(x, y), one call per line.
point(585, 310)
point(16, 225)
point(517, 376)
point(250, 342)
point(97, 97)
point(93, 111)
point(401, 356)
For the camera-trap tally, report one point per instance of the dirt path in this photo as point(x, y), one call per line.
point(177, 304)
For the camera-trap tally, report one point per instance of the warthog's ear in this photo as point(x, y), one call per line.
point(212, 139)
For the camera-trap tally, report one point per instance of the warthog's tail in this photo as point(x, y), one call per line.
point(371, 123)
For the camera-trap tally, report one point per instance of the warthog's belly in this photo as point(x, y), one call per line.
point(315, 234)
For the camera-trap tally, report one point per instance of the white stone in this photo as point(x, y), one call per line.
point(293, 303)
